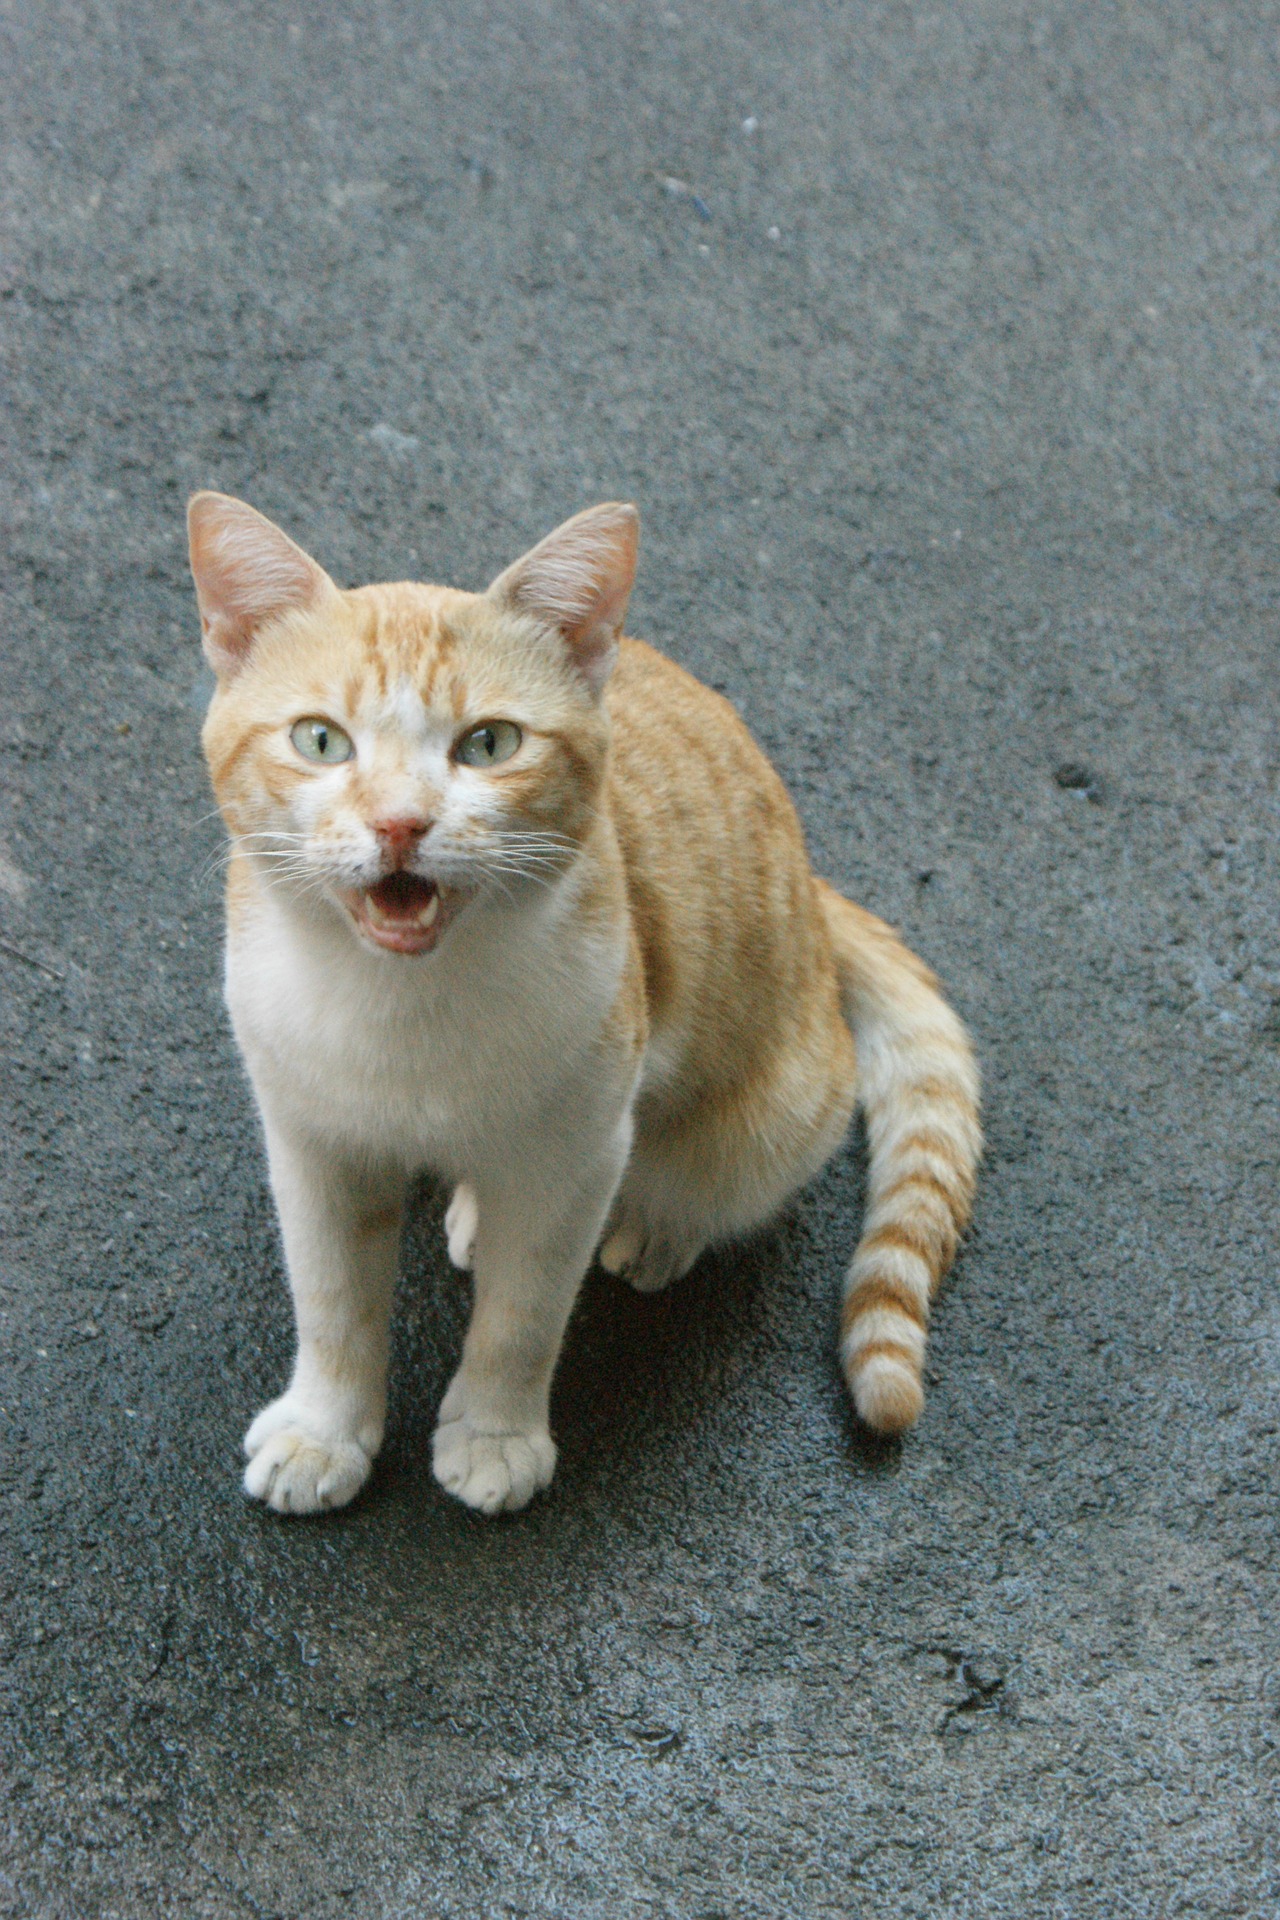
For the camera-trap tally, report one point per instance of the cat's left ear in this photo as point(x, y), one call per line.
point(579, 579)
point(247, 572)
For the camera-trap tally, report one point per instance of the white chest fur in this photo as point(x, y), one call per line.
point(430, 1061)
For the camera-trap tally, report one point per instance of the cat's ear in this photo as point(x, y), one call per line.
point(579, 579)
point(246, 573)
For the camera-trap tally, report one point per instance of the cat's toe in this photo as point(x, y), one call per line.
point(622, 1247)
point(662, 1261)
point(647, 1258)
point(460, 1222)
point(493, 1472)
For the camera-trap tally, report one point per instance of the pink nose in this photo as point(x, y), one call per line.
point(401, 835)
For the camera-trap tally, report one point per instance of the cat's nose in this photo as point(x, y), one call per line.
point(400, 835)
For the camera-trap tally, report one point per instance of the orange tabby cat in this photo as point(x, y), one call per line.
point(518, 900)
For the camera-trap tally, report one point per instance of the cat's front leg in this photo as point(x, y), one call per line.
point(536, 1232)
point(314, 1446)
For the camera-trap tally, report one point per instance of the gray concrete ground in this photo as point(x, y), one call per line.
point(947, 383)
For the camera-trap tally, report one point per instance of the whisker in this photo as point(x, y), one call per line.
point(203, 819)
point(276, 835)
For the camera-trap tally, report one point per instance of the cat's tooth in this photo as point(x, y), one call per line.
point(428, 913)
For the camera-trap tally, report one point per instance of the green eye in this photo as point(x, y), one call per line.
point(488, 744)
point(320, 740)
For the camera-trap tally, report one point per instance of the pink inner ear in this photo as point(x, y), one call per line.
point(579, 579)
point(246, 572)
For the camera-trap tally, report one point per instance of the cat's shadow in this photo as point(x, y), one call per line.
point(640, 1374)
point(635, 1367)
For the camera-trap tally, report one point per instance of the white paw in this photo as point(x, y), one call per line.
point(460, 1222)
point(297, 1469)
point(647, 1260)
point(495, 1472)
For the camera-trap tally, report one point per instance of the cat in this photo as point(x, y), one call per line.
point(517, 899)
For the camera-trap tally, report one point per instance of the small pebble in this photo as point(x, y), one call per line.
point(1074, 778)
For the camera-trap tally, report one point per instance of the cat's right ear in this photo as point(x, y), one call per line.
point(246, 572)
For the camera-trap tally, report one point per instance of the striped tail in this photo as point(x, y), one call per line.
point(918, 1084)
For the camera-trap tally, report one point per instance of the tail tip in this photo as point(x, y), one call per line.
point(887, 1394)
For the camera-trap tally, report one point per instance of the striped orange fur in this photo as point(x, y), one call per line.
point(919, 1091)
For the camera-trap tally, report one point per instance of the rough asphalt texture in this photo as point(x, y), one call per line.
point(947, 384)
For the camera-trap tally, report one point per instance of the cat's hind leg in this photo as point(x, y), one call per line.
point(729, 1163)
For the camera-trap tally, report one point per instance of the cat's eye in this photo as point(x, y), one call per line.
point(488, 744)
point(320, 740)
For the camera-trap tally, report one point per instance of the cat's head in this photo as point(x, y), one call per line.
point(393, 753)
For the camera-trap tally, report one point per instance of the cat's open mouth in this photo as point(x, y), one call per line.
point(403, 913)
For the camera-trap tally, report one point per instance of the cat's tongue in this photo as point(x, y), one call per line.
point(402, 913)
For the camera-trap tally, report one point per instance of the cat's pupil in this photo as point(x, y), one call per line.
point(322, 739)
point(489, 740)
